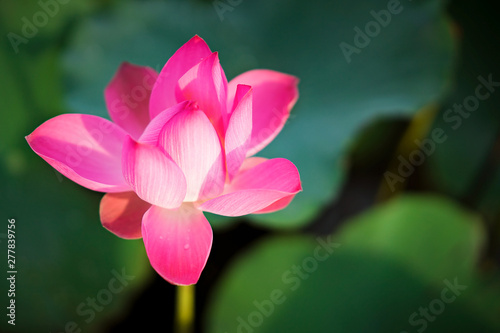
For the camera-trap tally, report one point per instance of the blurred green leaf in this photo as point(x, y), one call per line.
point(63, 254)
point(17, 107)
point(470, 139)
point(37, 22)
point(387, 265)
point(429, 235)
point(490, 203)
point(467, 165)
point(403, 67)
point(65, 259)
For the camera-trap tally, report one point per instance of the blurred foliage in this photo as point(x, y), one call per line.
point(337, 96)
point(63, 255)
point(353, 123)
point(370, 277)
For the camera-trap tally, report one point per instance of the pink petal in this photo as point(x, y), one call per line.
point(153, 175)
point(255, 189)
point(192, 142)
point(127, 97)
point(206, 84)
point(275, 206)
point(251, 162)
point(274, 95)
point(177, 242)
point(163, 94)
point(121, 213)
point(239, 130)
point(86, 149)
point(152, 131)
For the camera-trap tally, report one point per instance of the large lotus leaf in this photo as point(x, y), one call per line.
point(404, 65)
point(64, 259)
point(464, 164)
point(376, 275)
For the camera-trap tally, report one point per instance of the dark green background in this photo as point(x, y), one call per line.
point(352, 122)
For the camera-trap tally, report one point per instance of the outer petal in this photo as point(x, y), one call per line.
point(177, 242)
point(257, 188)
point(275, 206)
point(153, 175)
point(192, 142)
point(127, 97)
point(251, 162)
point(274, 95)
point(163, 94)
point(86, 149)
point(239, 130)
point(121, 213)
point(206, 84)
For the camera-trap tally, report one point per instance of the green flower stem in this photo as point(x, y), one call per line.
point(184, 317)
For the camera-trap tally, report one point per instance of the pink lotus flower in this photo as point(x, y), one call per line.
point(180, 143)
